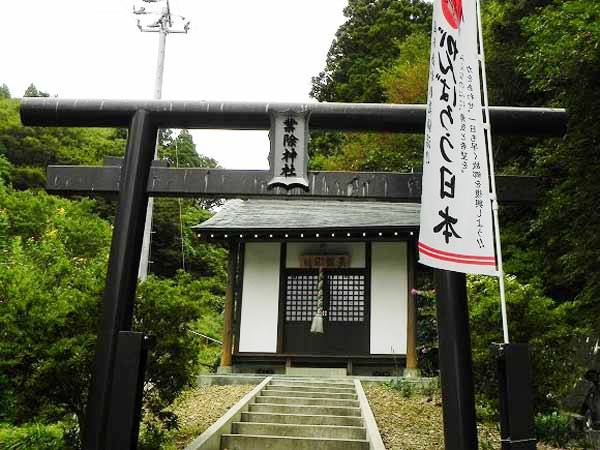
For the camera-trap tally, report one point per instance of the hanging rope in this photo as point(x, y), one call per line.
point(317, 322)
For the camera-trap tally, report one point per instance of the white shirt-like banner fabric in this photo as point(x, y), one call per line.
point(456, 216)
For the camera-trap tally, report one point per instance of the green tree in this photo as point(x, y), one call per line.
point(31, 149)
point(5, 170)
point(404, 81)
point(562, 62)
point(32, 91)
point(53, 257)
point(4, 92)
point(181, 152)
point(51, 273)
point(173, 242)
point(533, 318)
point(366, 44)
point(200, 259)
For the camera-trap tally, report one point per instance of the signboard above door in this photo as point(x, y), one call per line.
point(324, 261)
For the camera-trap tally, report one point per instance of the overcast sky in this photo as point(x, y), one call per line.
point(246, 50)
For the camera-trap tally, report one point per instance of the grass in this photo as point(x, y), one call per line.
point(413, 420)
point(199, 408)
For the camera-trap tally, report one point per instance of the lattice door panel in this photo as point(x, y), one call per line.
point(346, 295)
point(301, 296)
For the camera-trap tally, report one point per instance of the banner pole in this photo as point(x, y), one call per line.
point(490, 157)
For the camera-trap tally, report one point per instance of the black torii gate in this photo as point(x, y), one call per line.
point(114, 402)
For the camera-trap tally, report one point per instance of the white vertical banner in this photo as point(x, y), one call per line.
point(456, 231)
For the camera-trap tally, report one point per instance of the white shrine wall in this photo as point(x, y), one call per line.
point(389, 291)
point(389, 297)
point(260, 297)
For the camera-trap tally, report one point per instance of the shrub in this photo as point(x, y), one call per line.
point(533, 318)
point(554, 429)
point(405, 387)
point(431, 388)
point(53, 256)
point(35, 436)
point(485, 410)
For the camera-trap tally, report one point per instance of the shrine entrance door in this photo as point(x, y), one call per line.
point(346, 303)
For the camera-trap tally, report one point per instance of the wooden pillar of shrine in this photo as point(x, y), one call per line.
point(412, 360)
point(226, 352)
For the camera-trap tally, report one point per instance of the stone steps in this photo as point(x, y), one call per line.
point(301, 413)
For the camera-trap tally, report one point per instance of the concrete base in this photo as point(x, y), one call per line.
point(225, 380)
point(224, 370)
point(316, 371)
point(411, 373)
point(247, 378)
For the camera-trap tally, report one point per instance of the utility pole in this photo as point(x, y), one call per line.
point(163, 23)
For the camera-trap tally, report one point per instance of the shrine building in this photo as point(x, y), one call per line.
point(360, 256)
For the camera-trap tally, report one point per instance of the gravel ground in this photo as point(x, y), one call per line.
point(199, 408)
point(415, 423)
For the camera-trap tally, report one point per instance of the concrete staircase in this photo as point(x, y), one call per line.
point(301, 413)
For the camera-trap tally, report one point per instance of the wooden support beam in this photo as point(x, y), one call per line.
point(225, 183)
point(226, 352)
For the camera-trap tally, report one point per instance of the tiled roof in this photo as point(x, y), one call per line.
point(302, 214)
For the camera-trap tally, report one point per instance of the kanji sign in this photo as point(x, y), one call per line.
point(289, 149)
point(325, 261)
point(456, 213)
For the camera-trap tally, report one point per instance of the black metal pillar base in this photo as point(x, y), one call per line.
point(128, 385)
point(517, 428)
point(456, 371)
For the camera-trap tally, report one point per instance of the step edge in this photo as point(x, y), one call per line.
point(337, 383)
point(320, 384)
point(294, 438)
point(315, 393)
point(328, 388)
point(310, 381)
point(301, 415)
point(345, 427)
point(311, 392)
point(309, 398)
point(305, 406)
